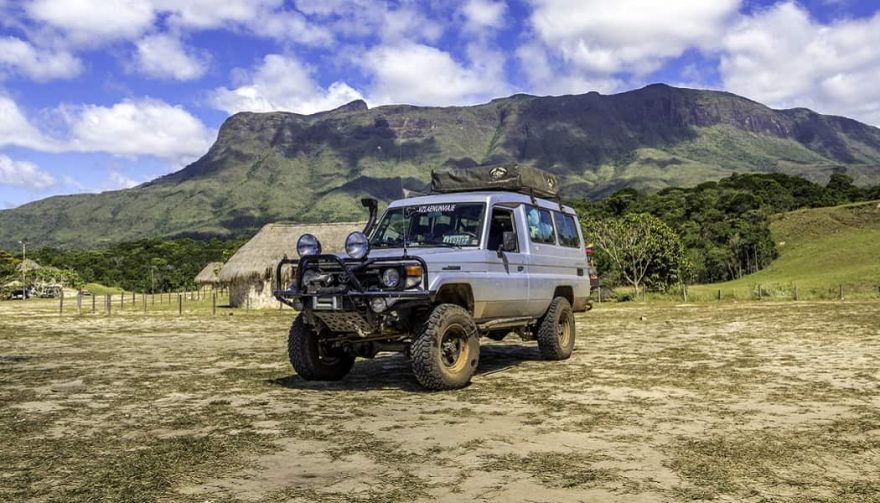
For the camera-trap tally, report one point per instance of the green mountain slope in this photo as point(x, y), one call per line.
point(819, 250)
point(284, 166)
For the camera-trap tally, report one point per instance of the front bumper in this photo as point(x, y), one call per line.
point(348, 307)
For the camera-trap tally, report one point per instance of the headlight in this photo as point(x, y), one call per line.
point(308, 244)
point(309, 276)
point(357, 245)
point(390, 278)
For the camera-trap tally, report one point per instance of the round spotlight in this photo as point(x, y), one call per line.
point(378, 305)
point(309, 276)
point(391, 278)
point(357, 245)
point(308, 244)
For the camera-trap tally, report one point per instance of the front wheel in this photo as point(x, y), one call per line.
point(446, 348)
point(313, 359)
point(555, 331)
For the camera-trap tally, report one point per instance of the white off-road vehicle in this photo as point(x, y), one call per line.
point(488, 252)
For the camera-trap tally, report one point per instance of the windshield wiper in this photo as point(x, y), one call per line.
point(435, 243)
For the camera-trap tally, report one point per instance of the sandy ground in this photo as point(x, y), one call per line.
point(732, 402)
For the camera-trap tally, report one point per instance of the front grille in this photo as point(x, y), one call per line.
point(369, 278)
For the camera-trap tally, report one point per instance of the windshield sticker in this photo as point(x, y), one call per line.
point(435, 208)
point(457, 239)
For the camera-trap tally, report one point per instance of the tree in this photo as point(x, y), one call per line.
point(640, 247)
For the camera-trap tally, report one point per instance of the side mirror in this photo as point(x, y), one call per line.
point(508, 243)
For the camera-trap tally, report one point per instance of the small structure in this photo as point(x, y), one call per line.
point(210, 275)
point(250, 273)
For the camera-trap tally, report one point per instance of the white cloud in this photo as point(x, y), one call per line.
point(599, 40)
point(87, 22)
point(481, 15)
point(117, 181)
point(163, 56)
point(418, 74)
point(144, 127)
point(138, 127)
point(17, 130)
point(391, 21)
point(20, 57)
point(782, 57)
point(282, 83)
point(23, 174)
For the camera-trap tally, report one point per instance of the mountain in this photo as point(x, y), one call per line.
point(313, 168)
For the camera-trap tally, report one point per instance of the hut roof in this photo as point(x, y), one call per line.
point(258, 257)
point(28, 265)
point(210, 274)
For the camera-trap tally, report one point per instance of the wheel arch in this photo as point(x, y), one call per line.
point(566, 292)
point(460, 294)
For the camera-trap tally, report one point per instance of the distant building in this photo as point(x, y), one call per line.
point(250, 273)
point(210, 275)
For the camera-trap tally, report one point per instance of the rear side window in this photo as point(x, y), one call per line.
point(540, 225)
point(567, 228)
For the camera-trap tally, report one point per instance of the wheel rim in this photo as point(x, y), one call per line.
point(454, 349)
point(563, 330)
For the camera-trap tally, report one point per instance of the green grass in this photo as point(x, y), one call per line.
point(819, 250)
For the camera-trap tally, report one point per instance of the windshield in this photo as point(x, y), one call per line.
point(452, 224)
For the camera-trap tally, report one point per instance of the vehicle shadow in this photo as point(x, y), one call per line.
point(392, 371)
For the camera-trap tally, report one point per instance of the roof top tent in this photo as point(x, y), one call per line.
point(510, 176)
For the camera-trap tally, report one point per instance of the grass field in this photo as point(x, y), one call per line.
point(819, 250)
point(749, 401)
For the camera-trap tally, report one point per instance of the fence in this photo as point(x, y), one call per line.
point(754, 292)
point(185, 302)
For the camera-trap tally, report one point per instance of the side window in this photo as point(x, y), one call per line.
point(566, 226)
point(540, 225)
point(501, 222)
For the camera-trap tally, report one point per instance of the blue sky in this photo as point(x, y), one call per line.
point(106, 94)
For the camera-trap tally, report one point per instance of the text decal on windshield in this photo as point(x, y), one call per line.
point(435, 208)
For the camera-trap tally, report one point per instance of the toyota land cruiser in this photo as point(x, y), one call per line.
point(488, 252)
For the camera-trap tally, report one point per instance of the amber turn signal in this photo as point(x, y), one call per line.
point(414, 270)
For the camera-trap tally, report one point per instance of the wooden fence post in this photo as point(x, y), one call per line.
point(61, 303)
point(760, 292)
point(144, 300)
point(79, 304)
point(719, 294)
point(93, 302)
point(179, 304)
point(214, 304)
point(795, 292)
point(685, 291)
point(132, 299)
point(599, 294)
point(841, 292)
point(108, 301)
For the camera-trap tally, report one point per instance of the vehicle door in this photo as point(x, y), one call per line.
point(508, 284)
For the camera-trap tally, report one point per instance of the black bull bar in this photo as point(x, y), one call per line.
point(350, 267)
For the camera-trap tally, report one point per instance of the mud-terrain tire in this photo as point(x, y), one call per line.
point(445, 350)
point(307, 358)
point(555, 331)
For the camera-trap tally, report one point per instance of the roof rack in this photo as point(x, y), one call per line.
point(511, 177)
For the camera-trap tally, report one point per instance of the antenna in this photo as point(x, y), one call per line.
point(407, 213)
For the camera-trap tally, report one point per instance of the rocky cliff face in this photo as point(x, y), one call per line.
point(284, 166)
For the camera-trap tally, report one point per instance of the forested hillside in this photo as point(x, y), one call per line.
point(724, 226)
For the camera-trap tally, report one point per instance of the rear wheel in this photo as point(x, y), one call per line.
point(555, 331)
point(311, 357)
point(446, 349)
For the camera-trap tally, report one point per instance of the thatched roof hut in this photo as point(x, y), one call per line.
point(27, 265)
point(250, 273)
point(210, 275)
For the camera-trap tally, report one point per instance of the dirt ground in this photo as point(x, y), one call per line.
point(731, 402)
